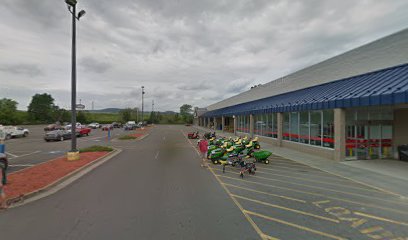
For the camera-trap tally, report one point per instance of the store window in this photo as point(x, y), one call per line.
point(243, 124)
point(273, 125)
point(294, 126)
point(260, 123)
point(286, 126)
point(316, 128)
point(328, 128)
point(304, 127)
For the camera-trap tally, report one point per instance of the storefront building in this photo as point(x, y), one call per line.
point(339, 116)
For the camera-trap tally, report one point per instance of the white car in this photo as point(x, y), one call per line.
point(94, 125)
point(13, 132)
point(68, 126)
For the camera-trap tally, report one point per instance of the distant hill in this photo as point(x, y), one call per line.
point(117, 110)
point(106, 110)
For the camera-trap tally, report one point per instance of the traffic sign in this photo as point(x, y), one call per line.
point(80, 106)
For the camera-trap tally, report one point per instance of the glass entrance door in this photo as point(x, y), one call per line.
point(369, 141)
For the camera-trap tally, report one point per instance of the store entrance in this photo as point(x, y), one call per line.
point(368, 140)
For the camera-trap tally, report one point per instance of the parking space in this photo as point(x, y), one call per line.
point(31, 150)
point(286, 200)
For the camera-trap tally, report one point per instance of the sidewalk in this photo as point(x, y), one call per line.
point(389, 175)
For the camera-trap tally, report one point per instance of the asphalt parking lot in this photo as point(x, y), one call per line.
point(289, 200)
point(28, 151)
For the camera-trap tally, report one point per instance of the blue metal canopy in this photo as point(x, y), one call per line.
point(387, 86)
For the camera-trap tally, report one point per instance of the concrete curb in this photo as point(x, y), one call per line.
point(143, 137)
point(62, 182)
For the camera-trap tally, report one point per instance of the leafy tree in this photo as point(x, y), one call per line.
point(126, 114)
point(153, 117)
point(186, 112)
point(8, 111)
point(41, 108)
point(81, 117)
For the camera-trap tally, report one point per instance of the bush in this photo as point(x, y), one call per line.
point(96, 148)
point(127, 137)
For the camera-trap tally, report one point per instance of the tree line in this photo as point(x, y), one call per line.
point(42, 109)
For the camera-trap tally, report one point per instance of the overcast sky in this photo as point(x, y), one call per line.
point(183, 51)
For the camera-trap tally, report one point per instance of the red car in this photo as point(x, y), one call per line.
point(107, 127)
point(83, 131)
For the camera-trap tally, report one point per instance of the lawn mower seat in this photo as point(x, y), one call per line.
point(230, 149)
point(255, 139)
point(249, 144)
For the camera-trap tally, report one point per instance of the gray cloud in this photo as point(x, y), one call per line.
point(90, 64)
point(22, 69)
point(183, 51)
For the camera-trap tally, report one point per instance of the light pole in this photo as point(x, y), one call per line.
point(72, 9)
point(143, 92)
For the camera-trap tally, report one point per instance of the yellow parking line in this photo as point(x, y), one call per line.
point(325, 189)
point(326, 176)
point(356, 181)
point(267, 237)
point(322, 182)
point(249, 219)
point(266, 193)
point(287, 209)
point(287, 164)
point(319, 195)
point(380, 218)
point(294, 225)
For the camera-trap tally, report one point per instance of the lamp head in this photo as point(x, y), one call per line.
point(81, 13)
point(71, 3)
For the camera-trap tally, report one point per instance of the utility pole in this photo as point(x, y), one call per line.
point(93, 105)
point(143, 92)
point(152, 113)
point(72, 9)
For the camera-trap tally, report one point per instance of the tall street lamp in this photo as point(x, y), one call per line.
point(72, 9)
point(143, 92)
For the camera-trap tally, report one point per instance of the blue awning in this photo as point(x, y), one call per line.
point(383, 87)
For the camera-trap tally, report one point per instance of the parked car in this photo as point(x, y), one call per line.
point(94, 125)
point(131, 125)
point(107, 127)
point(116, 125)
point(81, 131)
point(57, 135)
point(68, 126)
point(13, 132)
point(52, 127)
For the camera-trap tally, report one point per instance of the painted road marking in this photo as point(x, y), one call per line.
point(157, 155)
point(325, 176)
point(294, 225)
point(13, 155)
point(248, 218)
point(21, 165)
point(287, 209)
point(356, 181)
point(266, 193)
point(360, 224)
point(380, 218)
point(326, 189)
point(317, 194)
point(164, 138)
point(28, 154)
point(96, 138)
point(322, 182)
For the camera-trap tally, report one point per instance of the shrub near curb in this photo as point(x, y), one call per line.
point(127, 137)
point(96, 148)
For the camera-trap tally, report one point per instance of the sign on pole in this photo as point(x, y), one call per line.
point(80, 106)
